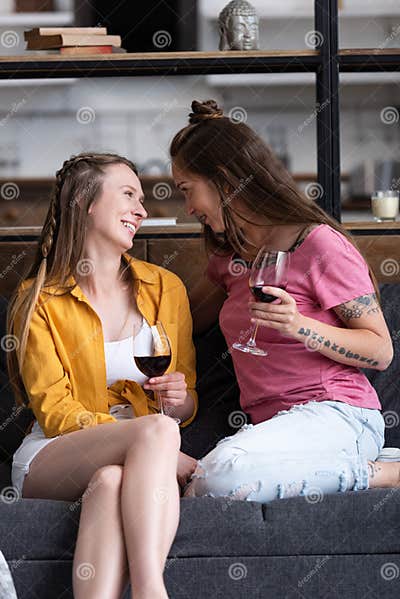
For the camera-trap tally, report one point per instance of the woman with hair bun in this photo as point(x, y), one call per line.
point(97, 434)
point(316, 424)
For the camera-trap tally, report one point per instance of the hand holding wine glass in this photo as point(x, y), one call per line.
point(155, 363)
point(270, 268)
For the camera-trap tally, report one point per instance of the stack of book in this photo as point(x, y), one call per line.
point(73, 40)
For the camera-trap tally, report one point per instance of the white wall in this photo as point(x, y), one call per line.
point(40, 126)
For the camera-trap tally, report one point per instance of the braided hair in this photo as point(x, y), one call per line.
point(59, 251)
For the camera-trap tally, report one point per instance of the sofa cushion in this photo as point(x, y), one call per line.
point(13, 420)
point(341, 523)
point(219, 412)
point(386, 382)
point(5, 475)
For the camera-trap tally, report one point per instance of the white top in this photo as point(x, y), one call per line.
point(120, 364)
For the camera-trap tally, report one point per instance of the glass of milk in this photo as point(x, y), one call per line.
point(385, 205)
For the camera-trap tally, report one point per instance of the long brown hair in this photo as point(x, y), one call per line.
point(60, 248)
point(242, 166)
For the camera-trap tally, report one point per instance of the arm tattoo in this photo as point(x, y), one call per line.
point(315, 342)
point(373, 468)
point(365, 304)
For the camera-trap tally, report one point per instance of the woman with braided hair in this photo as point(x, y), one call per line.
point(316, 425)
point(75, 316)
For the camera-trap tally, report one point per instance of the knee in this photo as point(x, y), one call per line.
point(158, 429)
point(105, 478)
point(220, 473)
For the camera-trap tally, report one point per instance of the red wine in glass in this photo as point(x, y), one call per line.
point(260, 296)
point(158, 359)
point(270, 269)
point(153, 365)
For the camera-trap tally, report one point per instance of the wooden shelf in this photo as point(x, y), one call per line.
point(190, 229)
point(157, 63)
point(373, 226)
point(179, 230)
point(369, 60)
point(54, 66)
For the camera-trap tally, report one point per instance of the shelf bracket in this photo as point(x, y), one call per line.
point(327, 98)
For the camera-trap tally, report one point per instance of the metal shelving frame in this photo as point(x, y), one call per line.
point(326, 61)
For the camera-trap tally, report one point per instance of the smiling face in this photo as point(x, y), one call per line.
point(202, 198)
point(116, 215)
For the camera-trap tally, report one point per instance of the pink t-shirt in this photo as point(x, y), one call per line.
point(325, 271)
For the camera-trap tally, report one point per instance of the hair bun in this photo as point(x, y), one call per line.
point(203, 111)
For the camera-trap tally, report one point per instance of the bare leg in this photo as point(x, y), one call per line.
point(151, 509)
point(384, 474)
point(101, 573)
point(148, 449)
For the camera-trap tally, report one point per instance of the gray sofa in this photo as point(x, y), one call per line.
point(346, 545)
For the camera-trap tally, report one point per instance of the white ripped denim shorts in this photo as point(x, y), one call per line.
point(36, 440)
point(311, 449)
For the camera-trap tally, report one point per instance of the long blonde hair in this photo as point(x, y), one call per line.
point(59, 251)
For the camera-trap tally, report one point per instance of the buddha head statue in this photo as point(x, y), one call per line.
point(238, 26)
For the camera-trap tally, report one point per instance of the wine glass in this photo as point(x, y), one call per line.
point(157, 358)
point(269, 268)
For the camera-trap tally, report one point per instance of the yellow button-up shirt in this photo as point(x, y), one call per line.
point(64, 371)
